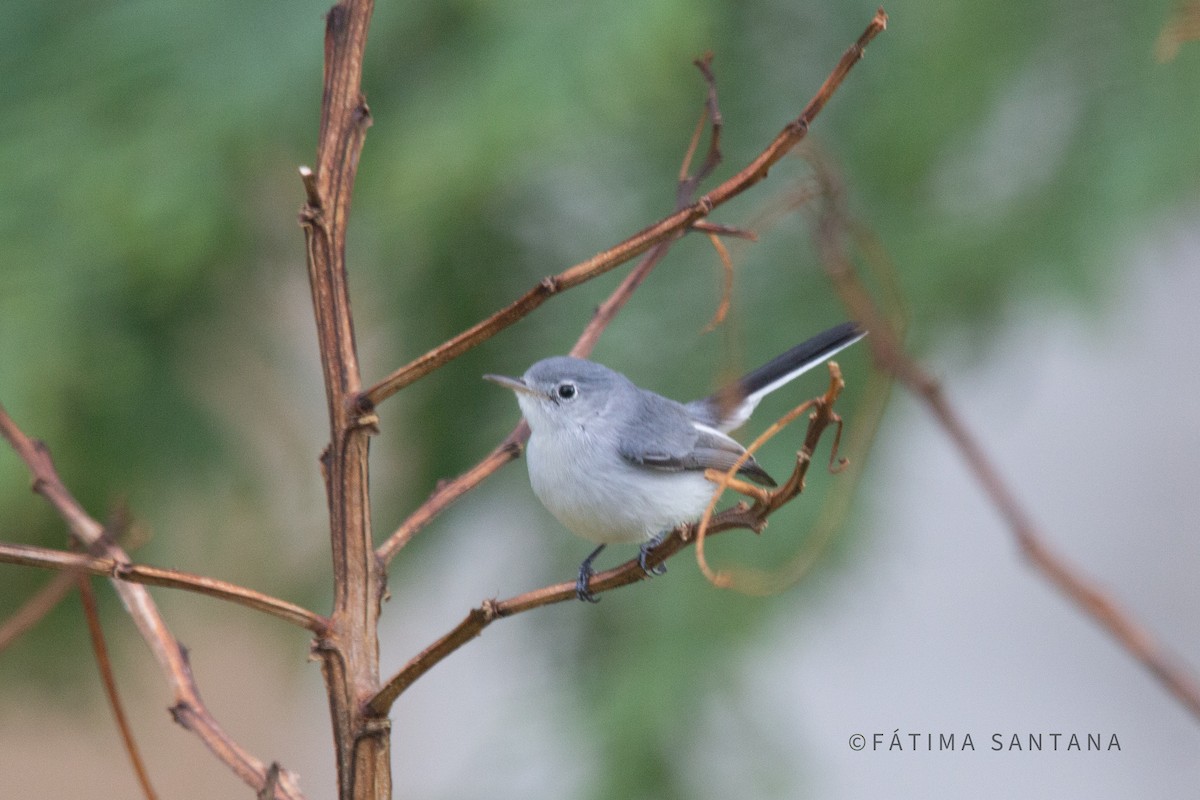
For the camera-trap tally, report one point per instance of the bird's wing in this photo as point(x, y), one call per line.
point(674, 442)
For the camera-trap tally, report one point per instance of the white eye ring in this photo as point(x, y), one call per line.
point(566, 391)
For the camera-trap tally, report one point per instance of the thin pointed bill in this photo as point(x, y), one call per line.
point(516, 384)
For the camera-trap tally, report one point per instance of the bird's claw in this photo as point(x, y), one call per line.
point(657, 569)
point(582, 582)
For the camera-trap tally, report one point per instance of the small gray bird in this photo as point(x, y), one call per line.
point(616, 463)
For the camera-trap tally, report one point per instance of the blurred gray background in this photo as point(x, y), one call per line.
point(1030, 170)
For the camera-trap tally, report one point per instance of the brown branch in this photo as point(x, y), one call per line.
point(189, 710)
point(684, 196)
point(79, 563)
point(740, 516)
point(672, 226)
point(1066, 577)
point(100, 649)
point(892, 358)
point(867, 415)
point(349, 651)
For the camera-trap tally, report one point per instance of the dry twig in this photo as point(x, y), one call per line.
point(100, 649)
point(74, 564)
point(891, 357)
point(189, 710)
point(822, 416)
point(718, 317)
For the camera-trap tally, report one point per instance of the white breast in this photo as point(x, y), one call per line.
point(605, 498)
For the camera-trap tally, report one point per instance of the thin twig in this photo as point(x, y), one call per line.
point(1069, 579)
point(669, 227)
point(822, 417)
point(892, 358)
point(449, 491)
point(688, 184)
point(189, 710)
point(740, 516)
point(100, 649)
point(688, 155)
point(725, 230)
point(867, 416)
point(73, 563)
point(722, 310)
point(33, 610)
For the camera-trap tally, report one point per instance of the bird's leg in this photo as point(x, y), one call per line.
point(585, 578)
point(657, 569)
point(741, 487)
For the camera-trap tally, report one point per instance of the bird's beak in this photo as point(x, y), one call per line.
point(516, 384)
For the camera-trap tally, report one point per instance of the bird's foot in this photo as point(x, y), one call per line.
point(657, 569)
point(583, 581)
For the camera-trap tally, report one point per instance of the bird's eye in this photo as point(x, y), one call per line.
point(565, 390)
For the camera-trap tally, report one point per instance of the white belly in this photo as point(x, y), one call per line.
point(613, 501)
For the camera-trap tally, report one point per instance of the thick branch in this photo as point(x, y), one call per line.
point(189, 710)
point(667, 228)
point(31, 556)
point(349, 651)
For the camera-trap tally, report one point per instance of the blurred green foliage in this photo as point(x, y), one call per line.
point(152, 324)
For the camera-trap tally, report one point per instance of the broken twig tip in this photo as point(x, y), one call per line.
point(309, 179)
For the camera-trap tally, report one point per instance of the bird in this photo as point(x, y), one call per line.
point(616, 463)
